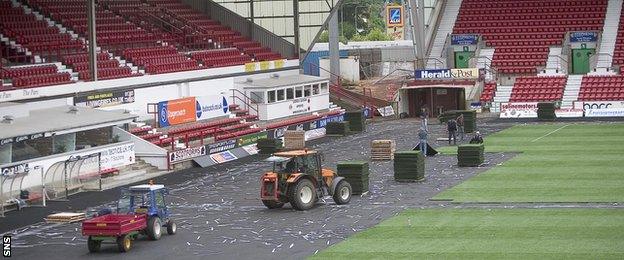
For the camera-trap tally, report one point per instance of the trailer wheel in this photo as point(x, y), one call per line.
point(342, 194)
point(271, 204)
point(153, 228)
point(303, 195)
point(171, 227)
point(93, 245)
point(124, 243)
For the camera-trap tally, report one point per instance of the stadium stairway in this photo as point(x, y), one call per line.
point(484, 61)
point(555, 65)
point(444, 29)
point(502, 95)
point(571, 92)
point(609, 35)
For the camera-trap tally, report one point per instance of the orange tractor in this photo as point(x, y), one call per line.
point(297, 178)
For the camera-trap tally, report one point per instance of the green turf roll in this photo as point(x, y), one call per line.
point(355, 173)
point(470, 155)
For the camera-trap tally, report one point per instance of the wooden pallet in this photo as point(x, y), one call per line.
point(382, 150)
point(65, 217)
point(294, 140)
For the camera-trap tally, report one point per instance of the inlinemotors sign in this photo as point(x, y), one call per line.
point(447, 74)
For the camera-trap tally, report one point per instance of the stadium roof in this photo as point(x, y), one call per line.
point(60, 120)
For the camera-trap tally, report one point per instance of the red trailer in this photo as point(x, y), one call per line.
point(117, 227)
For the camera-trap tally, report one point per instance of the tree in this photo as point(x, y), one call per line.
point(377, 35)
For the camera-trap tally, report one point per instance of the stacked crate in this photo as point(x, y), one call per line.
point(268, 146)
point(470, 155)
point(294, 140)
point(357, 122)
point(409, 166)
point(546, 111)
point(356, 174)
point(337, 128)
point(382, 150)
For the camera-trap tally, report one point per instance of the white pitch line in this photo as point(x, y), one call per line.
point(552, 132)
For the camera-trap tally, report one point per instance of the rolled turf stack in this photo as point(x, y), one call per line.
point(470, 155)
point(356, 173)
point(546, 111)
point(409, 166)
point(269, 146)
point(337, 128)
point(357, 122)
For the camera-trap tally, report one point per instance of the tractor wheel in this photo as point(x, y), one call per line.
point(94, 245)
point(303, 195)
point(342, 194)
point(124, 243)
point(171, 227)
point(271, 204)
point(153, 228)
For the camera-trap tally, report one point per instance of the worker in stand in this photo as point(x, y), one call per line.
point(477, 139)
point(422, 137)
point(451, 127)
point(460, 126)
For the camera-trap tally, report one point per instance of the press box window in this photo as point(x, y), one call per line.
point(324, 88)
point(257, 97)
point(316, 89)
point(290, 93)
point(298, 92)
point(272, 96)
point(280, 95)
point(307, 91)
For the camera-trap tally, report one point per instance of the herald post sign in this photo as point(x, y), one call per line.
point(394, 16)
point(447, 74)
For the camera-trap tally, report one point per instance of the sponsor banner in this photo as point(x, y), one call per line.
point(105, 99)
point(221, 146)
point(207, 107)
point(321, 123)
point(251, 139)
point(598, 104)
point(518, 110)
point(251, 149)
point(299, 106)
point(569, 112)
point(464, 39)
point(21, 138)
point(386, 111)
point(14, 169)
point(175, 112)
point(314, 134)
point(186, 154)
point(394, 16)
point(447, 74)
point(583, 36)
point(223, 157)
point(605, 112)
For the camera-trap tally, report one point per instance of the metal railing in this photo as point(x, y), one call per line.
point(249, 102)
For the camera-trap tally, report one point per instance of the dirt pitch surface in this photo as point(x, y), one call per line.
point(219, 215)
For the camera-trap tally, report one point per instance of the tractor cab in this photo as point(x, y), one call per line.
point(144, 199)
point(299, 179)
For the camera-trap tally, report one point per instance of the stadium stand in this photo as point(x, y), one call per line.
point(154, 35)
point(489, 88)
point(618, 54)
point(602, 88)
point(522, 31)
point(538, 89)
